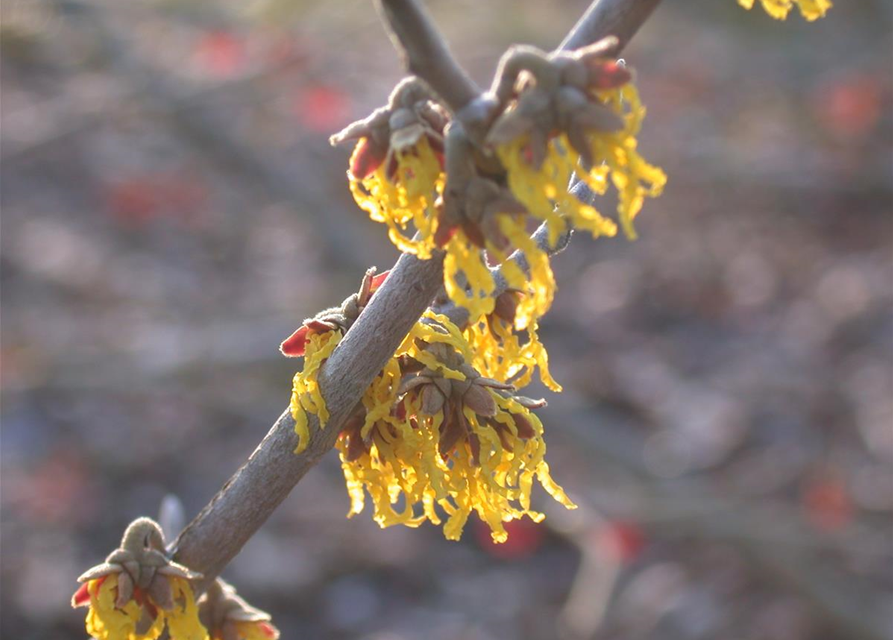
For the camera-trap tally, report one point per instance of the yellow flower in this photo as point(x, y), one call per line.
point(402, 191)
point(446, 441)
point(305, 395)
point(106, 621)
point(466, 276)
point(500, 353)
point(779, 9)
point(469, 281)
point(315, 340)
point(537, 284)
point(137, 592)
point(183, 622)
point(544, 191)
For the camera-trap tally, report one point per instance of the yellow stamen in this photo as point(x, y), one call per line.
point(406, 198)
point(305, 396)
point(403, 465)
point(779, 9)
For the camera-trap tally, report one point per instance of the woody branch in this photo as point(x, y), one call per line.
point(244, 503)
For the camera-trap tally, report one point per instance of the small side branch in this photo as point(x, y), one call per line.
point(425, 53)
point(621, 18)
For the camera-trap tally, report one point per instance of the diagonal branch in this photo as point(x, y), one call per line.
point(217, 534)
point(241, 507)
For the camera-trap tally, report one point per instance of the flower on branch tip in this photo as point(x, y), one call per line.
point(315, 340)
point(434, 436)
point(228, 617)
point(396, 169)
point(572, 112)
point(779, 9)
point(138, 591)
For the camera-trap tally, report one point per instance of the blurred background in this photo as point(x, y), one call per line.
point(172, 211)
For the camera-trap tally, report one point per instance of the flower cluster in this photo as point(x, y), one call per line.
point(779, 9)
point(573, 113)
point(569, 114)
point(138, 592)
point(441, 431)
point(435, 433)
point(550, 116)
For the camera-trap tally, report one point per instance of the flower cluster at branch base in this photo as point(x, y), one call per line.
point(228, 617)
point(435, 440)
point(779, 9)
point(441, 432)
point(138, 592)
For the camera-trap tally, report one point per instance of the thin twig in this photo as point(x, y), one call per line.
point(609, 18)
point(425, 52)
point(245, 502)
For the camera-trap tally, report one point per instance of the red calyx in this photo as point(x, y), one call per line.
point(366, 158)
point(378, 280)
point(81, 597)
point(438, 149)
point(608, 74)
point(293, 345)
point(444, 233)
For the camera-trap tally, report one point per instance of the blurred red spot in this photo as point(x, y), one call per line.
point(621, 540)
point(132, 201)
point(220, 53)
point(525, 537)
point(322, 108)
point(268, 630)
point(137, 200)
point(827, 503)
point(849, 107)
point(56, 491)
